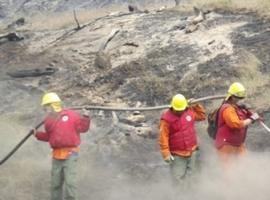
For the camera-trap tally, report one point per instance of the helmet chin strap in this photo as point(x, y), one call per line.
point(56, 107)
point(53, 108)
point(48, 109)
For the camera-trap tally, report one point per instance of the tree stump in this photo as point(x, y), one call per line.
point(103, 60)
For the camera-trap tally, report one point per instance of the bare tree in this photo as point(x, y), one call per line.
point(76, 20)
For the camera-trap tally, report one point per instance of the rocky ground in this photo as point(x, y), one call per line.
point(151, 57)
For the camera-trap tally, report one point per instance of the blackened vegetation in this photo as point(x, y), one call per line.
point(255, 37)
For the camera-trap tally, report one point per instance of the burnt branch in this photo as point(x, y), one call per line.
point(76, 20)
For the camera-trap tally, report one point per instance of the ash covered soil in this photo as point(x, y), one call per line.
point(149, 59)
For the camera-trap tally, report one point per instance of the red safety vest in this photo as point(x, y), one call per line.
point(64, 130)
point(227, 135)
point(182, 134)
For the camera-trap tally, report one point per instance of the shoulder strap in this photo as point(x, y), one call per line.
point(223, 106)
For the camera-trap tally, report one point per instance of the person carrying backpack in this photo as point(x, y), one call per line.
point(232, 124)
point(178, 140)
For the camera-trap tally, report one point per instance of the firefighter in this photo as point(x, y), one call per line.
point(233, 122)
point(178, 137)
point(62, 128)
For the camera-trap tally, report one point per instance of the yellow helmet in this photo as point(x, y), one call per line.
point(179, 102)
point(49, 98)
point(236, 89)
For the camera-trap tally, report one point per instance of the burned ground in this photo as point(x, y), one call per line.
point(119, 159)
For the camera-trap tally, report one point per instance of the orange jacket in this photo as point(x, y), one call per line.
point(231, 130)
point(199, 114)
point(231, 118)
point(64, 153)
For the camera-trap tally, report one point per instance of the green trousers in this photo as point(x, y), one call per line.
point(184, 169)
point(63, 178)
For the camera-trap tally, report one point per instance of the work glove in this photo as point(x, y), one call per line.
point(169, 159)
point(34, 132)
point(254, 117)
point(85, 112)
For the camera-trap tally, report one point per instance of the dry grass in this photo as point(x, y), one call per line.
point(250, 74)
point(60, 20)
point(259, 6)
point(255, 81)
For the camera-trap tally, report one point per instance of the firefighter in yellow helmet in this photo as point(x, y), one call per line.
point(62, 128)
point(232, 123)
point(178, 140)
point(51, 101)
point(238, 90)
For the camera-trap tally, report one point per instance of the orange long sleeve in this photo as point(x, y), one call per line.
point(231, 118)
point(199, 112)
point(64, 153)
point(164, 138)
point(164, 142)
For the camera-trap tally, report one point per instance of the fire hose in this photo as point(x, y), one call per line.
point(114, 109)
point(146, 108)
point(264, 126)
point(19, 144)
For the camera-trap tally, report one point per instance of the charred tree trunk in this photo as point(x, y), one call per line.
point(76, 20)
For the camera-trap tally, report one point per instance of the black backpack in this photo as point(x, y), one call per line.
point(212, 119)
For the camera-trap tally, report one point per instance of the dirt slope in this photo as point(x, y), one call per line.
point(151, 60)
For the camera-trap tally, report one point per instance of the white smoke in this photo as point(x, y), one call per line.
point(131, 169)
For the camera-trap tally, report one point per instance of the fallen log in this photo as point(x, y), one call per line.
point(32, 72)
point(18, 22)
point(103, 59)
point(110, 37)
point(11, 37)
point(131, 44)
